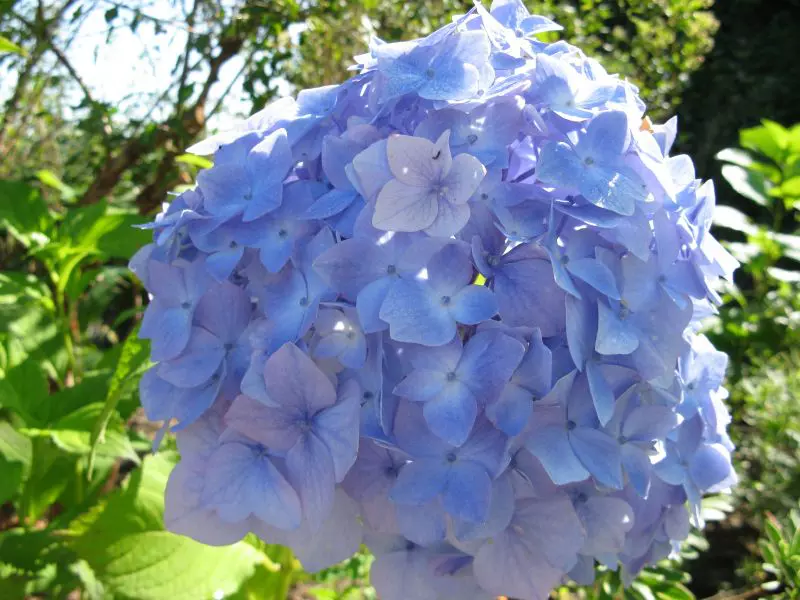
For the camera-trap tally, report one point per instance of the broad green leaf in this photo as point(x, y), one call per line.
point(201, 162)
point(750, 184)
point(99, 229)
point(791, 187)
point(9, 47)
point(14, 446)
point(12, 475)
point(23, 389)
point(735, 156)
point(769, 140)
point(24, 212)
point(50, 179)
point(91, 390)
point(26, 550)
point(50, 474)
point(784, 275)
point(134, 356)
point(158, 565)
point(731, 218)
point(133, 557)
point(73, 432)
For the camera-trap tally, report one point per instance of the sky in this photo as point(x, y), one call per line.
point(133, 68)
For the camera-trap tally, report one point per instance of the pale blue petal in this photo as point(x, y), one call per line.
point(369, 302)
point(337, 427)
point(241, 481)
point(452, 413)
point(311, 472)
point(416, 315)
point(473, 304)
point(551, 446)
point(419, 482)
point(614, 335)
point(468, 492)
point(599, 453)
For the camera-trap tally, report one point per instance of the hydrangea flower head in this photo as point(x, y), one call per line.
point(448, 309)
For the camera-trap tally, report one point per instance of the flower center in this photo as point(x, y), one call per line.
point(451, 457)
point(571, 425)
point(451, 376)
point(472, 138)
point(445, 300)
point(391, 270)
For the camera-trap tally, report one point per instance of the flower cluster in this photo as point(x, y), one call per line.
point(447, 308)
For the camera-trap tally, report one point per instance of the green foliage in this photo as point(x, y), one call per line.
point(763, 312)
point(75, 521)
point(780, 547)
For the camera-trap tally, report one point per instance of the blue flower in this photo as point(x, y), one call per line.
point(461, 476)
point(247, 179)
point(454, 382)
point(456, 68)
point(564, 438)
point(430, 188)
point(426, 309)
point(447, 308)
point(594, 165)
point(304, 422)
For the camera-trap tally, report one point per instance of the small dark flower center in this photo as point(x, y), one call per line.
point(472, 138)
point(283, 234)
point(186, 305)
point(451, 457)
point(588, 161)
point(451, 376)
point(228, 347)
point(571, 425)
point(519, 33)
point(233, 245)
point(303, 301)
point(391, 270)
point(445, 300)
point(430, 73)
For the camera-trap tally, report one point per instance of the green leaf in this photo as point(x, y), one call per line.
point(770, 140)
point(9, 47)
point(12, 475)
point(52, 180)
point(133, 557)
point(14, 446)
point(24, 390)
point(47, 480)
point(73, 434)
point(750, 184)
point(97, 229)
point(134, 356)
point(201, 162)
point(791, 187)
point(735, 156)
point(156, 565)
point(731, 218)
point(24, 212)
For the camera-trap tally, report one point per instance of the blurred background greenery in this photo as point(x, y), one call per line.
point(85, 155)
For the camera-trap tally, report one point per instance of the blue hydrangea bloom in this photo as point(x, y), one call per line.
point(448, 309)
